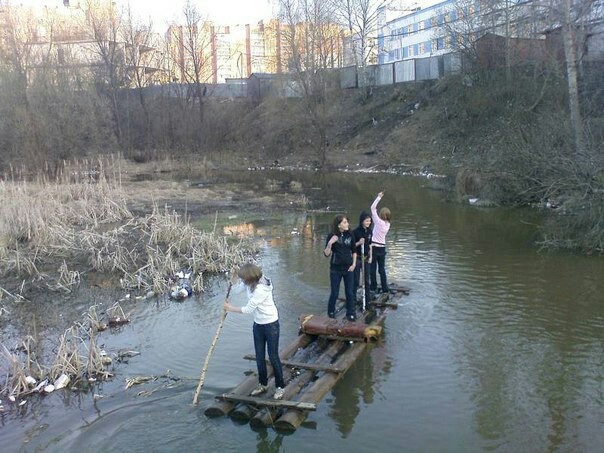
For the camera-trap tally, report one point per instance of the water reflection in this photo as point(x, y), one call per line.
point(269, 442)
point(498, 346)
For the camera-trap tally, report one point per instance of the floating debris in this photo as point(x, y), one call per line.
point(62, 381)
point(118, 321)
point(122, 354)
point(138, 380)
point(49, 388)
point(30, 380)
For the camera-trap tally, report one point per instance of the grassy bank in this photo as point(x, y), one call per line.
point(504, 142)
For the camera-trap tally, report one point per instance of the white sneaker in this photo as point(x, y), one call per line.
point(259, 390)
point(279, 393)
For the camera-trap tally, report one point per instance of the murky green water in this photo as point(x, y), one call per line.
point(498, 347)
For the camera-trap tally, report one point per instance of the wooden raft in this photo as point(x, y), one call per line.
point(312, 364)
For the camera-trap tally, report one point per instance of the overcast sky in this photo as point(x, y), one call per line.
point(164, 11)
point(222, 11)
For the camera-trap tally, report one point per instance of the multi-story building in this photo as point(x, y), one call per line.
point(77, 41)
point(452, 25)
point(415, 33)
point(235, 52)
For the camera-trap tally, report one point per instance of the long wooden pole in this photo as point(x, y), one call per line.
point(211, 350)
point(363, 274)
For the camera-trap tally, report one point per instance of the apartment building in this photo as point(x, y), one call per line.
point(417, 33)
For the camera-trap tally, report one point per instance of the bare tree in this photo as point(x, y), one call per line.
point(313, 42)
point(360, 19)
point(15, 51)
point(572, 16)
point(139, 52)
point(194, 54)
point(106, 27)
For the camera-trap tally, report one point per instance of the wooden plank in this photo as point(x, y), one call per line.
point(267, 415)
point(302, 365)
point(221, 408)
point(300, 405)
point(293, 418)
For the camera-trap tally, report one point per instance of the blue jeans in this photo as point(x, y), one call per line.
point(268, 335)
point(335, 277)
point(379, 264)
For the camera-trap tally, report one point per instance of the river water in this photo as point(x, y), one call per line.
point(498, 346)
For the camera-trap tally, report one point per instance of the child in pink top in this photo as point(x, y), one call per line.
point(381, 225)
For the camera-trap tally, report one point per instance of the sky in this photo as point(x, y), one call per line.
point(161, 12)
point(221, 11)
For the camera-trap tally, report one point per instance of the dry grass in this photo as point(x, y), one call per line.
point(55, 231)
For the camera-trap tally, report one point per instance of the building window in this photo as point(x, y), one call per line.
point(415, 49)
point(440, 43)
point(440, 19)
point(427, 24)
point(405, 52)
point(415, 27)
point(428, 46)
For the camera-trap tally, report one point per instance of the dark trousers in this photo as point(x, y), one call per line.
point(379, 264)
point(268, 335)
point(335, 277)
point(357, 279)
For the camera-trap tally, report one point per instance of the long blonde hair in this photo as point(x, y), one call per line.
point(385, 214)
point(250, 274)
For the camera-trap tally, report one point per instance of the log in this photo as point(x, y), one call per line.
point(255, 401)
point(221, 408)
point(293, 418)
point(241, 412)
point(267, 416)
point(323, 325)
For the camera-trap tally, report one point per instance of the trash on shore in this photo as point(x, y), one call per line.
point(62, 381)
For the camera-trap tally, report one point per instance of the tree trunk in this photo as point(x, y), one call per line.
point(570, 54)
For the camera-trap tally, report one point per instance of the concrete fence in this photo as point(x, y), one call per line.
point(261, 85)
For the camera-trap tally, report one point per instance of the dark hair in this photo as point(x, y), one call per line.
point(250, 274)
point(335, 229)
point(364, 215)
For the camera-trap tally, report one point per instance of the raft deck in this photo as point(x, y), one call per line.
point(312, 364)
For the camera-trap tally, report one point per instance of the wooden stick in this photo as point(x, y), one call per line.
point(212, 346)
point(363, 274)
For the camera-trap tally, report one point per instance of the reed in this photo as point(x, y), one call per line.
point(48, 224)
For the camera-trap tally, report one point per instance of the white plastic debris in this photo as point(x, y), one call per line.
point(12, 398)
point(41, 385)
point(49, 388)
point(22, 403)
point(62, 381)
point(472, 200)
point(30, 380)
